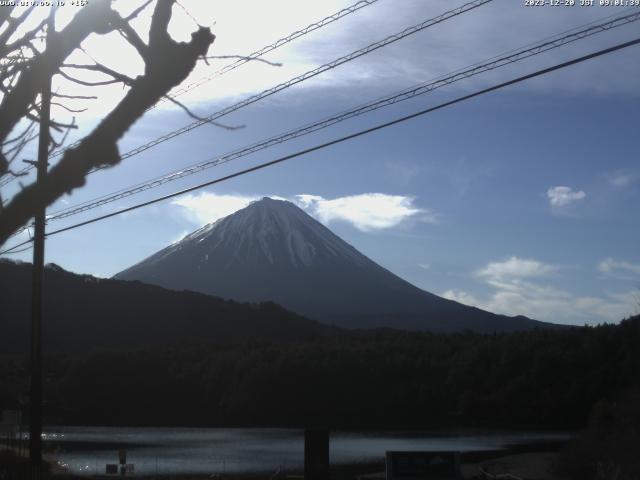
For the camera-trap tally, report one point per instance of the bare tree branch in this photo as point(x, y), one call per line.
point(159, 31)
point(16, 64)
point(17, 149)
point(20, 135)
point(87, 83)
point(102, 69)
point(131, 36)
point(13, 24)
point(23, 41)
point(137, 11)
point(55, 125)
point(242, 57)
point(69, 109)
point(59, 126)
point(199, 118)
point(13, 152)
point(55, 144)
point(188, 13)
point(95, 17)
point(5, 13)
point(167, 65)
point(75, 97)
point(21, 173)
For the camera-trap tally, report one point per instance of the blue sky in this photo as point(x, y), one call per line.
point(522, 201)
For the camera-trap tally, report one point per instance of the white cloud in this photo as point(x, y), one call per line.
point(561, 196)
point(551, 304)
point(610, 266)
point(397, 66)
point(367, 211)
point(515, 292)
point(463, 297)
point(180, 236)
point(402, 172)
point(208, 207)
point(622, 179)
point(424, 266)
point(514, 268)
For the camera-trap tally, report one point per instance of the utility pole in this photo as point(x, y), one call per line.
point(316, 454)
point(36, 387)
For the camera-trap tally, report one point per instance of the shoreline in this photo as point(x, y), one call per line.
point(538, 465)
point(534, 460)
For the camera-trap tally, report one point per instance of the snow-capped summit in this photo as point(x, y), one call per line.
point(267, 232)
point(272, 231)
point(271, 250)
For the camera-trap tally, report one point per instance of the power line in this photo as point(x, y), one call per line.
point(495, 62)
point(307, 75)
point(293, 81)
point(342, 139)
point(13, 249)
point(278, 43)
point(24, 249)
point(233, 65)
point(355, 135)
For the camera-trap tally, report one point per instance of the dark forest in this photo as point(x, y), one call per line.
point(349, 380)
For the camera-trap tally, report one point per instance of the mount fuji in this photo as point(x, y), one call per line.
point(273, 251)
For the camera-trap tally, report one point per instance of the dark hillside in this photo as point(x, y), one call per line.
point(84, 312)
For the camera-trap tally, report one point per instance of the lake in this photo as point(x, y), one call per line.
point(169, 451)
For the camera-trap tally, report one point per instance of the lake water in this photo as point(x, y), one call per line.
point(169, 451)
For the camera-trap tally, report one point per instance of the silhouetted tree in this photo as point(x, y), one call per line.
point(25, 65)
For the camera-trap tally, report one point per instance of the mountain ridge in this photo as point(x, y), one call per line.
point(85, 312)
point(272, 250)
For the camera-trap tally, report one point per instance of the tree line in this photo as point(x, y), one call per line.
point(379, 379)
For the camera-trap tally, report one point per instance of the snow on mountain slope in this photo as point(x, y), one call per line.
point(272, 250)
point(269, 230)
